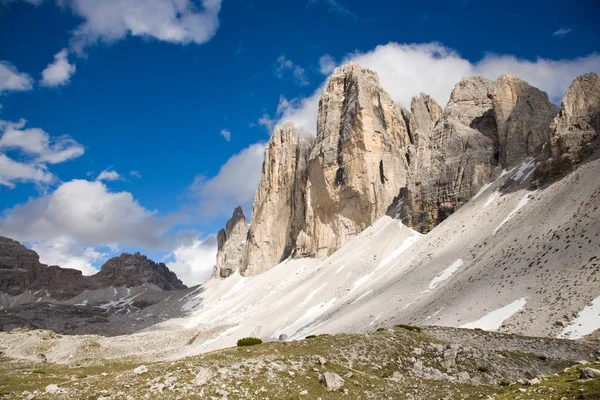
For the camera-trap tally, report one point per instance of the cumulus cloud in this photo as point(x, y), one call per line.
point(326, 64)
point(65, 252)
point(36, 143)
point(58, 72)
point(108, 175)
point(13, 80)
point(405, 70)
point(193, 261)
point(284, 67)
point(234, 185)
point(562, 32)
point(87, 212)
point(13, 171)
point(175, 21)
point(37, 149)
point(226, 134)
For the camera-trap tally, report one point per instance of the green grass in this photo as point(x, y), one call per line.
point(248, 341)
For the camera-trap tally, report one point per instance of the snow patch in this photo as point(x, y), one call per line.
point(362, 296)
point(340, 268)
point(495, 194)
point(528, 167)
point(493, 320)
point(408, 242)
point(521, 204)
point(309, 316)
point(446, 274)
point(312, 294)
point(482, 190)
point(587, 321)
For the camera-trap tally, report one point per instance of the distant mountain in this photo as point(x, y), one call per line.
point(21, 271)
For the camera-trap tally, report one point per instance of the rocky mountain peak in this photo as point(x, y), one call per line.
point(231, 245)
point(136, 269)
point(370, 158)
point(21, 270)
point(575, 131)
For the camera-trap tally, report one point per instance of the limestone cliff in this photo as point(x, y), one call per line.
point(575, 131)
point(523, 115)
point(359, 162)
point(231, 245)
point(278, 213)
point(371, 157)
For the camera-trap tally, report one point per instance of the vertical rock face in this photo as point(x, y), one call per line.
point(278, 213)
point(359, 162)
point(456, 152)
point(575, 130)
point(523, 115)
point(231, 245)
point(370, 158)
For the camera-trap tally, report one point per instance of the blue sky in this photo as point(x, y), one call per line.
point(174, 100)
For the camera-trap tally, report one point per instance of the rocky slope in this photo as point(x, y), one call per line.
point(22, 275)
point(371, 158)
point(396, 362)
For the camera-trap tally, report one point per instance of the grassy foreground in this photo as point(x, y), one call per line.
point(387, 364)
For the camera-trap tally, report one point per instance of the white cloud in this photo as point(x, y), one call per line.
point(233, 186)
point(405, 70)
point(13, 80)
point(284, 66)
point(326, 64)
point(13, 171)
point(193, 262)
point(36, 143)
point(58, 72)
point(562, 32)
point(66, 253)
point(86, 212)
point(226, 134)
point(175, 21)
point(135, 174)
point(108, 175)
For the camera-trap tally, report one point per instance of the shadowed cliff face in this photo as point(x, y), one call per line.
point(371, 158)
point(575, 132)
point(21, 270)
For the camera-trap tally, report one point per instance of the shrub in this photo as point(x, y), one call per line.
point(409, 327)
point(248, 341)
point(380, 329)
point(483, 369)
point(310, 337)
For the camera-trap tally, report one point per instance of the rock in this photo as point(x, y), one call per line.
point(532, 382)
point(203, 376)
point(283, 337)
point(52, 389)
point(321, 360)
point(278, 213)
point(21, 270)
point(331, 381)
point(463, 376)
point(523, 116)
point(231, 245)
point(134, 270)
point(587, 373)
point(359, 161)
point(575, 131)
point(142, 369)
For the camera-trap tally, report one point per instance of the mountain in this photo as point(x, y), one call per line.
point(371, 158)
point(23, 276)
